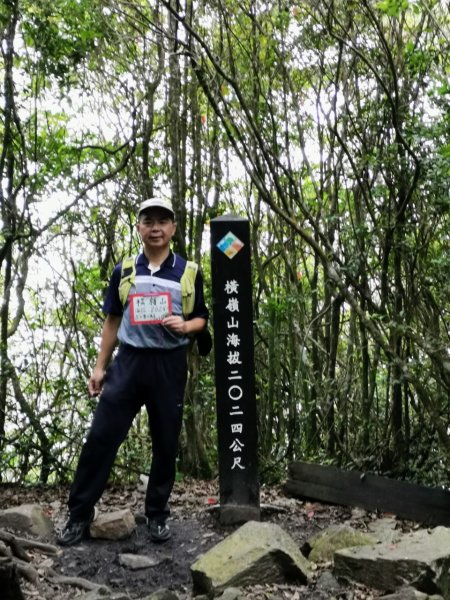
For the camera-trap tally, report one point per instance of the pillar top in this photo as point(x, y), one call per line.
point(229, 217)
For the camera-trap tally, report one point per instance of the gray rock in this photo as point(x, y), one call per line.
point(254, 553)
point(324, 544)
point(27, 518)
point(143, 483)
point(232, 593)
point(405, 593)
point(420, 559)
point(116, 525)
point(385, 530)
point(138, 561)
point(409, 593)
point(328, 583)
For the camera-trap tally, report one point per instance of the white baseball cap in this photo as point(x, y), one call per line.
point(157, 203)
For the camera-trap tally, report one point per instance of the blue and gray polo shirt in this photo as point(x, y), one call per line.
point(163, 285)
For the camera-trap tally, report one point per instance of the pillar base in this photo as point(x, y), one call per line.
point(233, 514)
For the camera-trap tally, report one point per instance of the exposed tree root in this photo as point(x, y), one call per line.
point(78, 582)
point(9, 581)
point(18, 544)
point(15, 560)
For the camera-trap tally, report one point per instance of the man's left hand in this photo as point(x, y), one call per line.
point(176, 324)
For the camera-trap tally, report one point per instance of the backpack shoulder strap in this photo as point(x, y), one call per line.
point(187, 282)
point(127, 277)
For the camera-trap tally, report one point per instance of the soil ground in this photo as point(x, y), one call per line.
point(195, 529)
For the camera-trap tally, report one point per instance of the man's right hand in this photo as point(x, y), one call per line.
point(95, 382)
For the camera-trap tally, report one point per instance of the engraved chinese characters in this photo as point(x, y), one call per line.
point(235, 391)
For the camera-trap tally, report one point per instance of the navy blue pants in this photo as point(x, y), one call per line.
point(155, 379)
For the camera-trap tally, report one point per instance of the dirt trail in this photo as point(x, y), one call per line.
point(195, 529)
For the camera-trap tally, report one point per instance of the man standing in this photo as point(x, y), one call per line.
point(149, 369)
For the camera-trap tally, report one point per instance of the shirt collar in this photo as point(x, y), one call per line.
point(169, 262)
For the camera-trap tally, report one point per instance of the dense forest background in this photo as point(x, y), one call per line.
point(326, 123)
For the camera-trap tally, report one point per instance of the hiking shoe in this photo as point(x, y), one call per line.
point(74, 531)
point(159, 531)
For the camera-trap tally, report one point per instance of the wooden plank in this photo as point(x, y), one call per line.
point(372, 492)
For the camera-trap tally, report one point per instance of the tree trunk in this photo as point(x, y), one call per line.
point(194, 458)
point(9, 581)
point(311, 431)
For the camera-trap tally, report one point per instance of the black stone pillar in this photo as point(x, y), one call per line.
point(234, 369)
